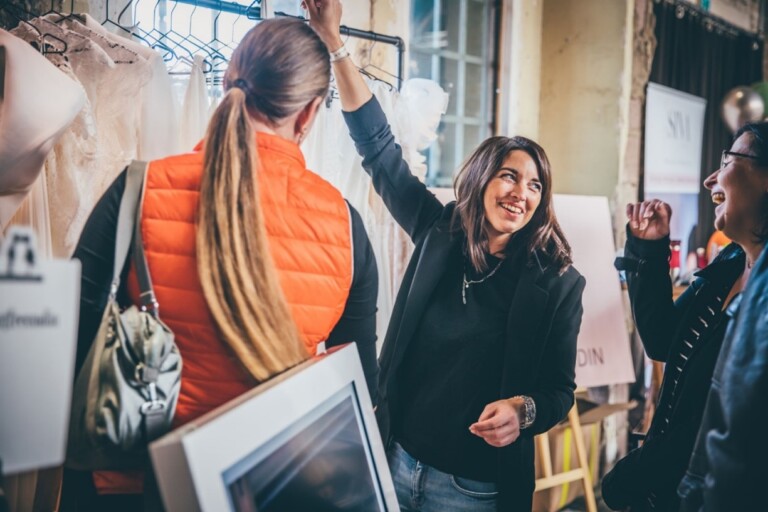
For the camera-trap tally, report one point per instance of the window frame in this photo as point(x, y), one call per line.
point(486, 121)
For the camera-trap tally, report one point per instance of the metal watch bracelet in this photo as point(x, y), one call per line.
point(528, 415)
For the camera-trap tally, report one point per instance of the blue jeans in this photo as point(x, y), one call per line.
point(422, 488)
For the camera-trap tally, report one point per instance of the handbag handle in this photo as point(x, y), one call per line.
point(126, 220)
point(146, 292)
point(129, 230)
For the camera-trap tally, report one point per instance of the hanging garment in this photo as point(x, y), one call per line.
point(331, 153)
point(215, 95)
point(72, 168)
point(194, 115)
point(37, 103)
point(415, 114)
point(158, 132)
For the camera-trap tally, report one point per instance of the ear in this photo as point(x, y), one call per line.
point(306, 117)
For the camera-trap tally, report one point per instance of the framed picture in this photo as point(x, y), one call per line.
point(306, 440)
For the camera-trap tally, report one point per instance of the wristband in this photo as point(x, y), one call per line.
point(341, 53)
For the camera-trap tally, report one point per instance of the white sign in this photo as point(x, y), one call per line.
point(674, 128)
point(604, 355)
point(38, 335)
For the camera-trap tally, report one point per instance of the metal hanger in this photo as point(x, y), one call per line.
point(46, 43)
point(369, 65)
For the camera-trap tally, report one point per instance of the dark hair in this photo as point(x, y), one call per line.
point(542, 233)
point(278, 68)
point(758, 146)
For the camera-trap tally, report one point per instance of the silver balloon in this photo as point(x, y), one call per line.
point(741, 105)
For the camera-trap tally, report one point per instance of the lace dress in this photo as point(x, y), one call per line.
point(159, 114)
point(102, 139)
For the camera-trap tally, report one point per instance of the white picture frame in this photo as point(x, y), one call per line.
point(264, 450)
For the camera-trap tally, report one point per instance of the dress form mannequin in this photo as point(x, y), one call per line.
point(37, 103)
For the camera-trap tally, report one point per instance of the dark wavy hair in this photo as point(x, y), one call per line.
point(758, 146)
point(541, 235)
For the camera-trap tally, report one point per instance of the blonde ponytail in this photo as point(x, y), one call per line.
point(236, 270)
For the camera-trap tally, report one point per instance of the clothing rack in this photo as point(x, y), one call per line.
point(254, 12)
point(170, 46)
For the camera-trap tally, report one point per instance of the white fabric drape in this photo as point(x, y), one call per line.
point(414, 115)
point(196, 109)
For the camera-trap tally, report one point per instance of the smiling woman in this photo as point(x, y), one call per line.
point(739, 188)
point(505, 187)
point(688, 333)
point(481, 349)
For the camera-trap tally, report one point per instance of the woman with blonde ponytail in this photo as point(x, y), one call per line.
point(255, 259)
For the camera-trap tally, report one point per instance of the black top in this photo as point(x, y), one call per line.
point(686, 335)
point(464, 344)
point(543, 317)
point(96, 249)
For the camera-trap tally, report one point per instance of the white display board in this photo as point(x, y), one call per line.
point(306, 440)
point(604, 355)
point(38, 336)
point(674, 128)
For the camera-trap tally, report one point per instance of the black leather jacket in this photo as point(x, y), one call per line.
point(647, 478)
point(728, 470)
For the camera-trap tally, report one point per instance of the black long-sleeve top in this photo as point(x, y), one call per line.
point(96, 248)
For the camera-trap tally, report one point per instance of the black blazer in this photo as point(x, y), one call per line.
point(544, 317)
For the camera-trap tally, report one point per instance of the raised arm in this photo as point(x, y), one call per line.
point(646, 262)
point(413, 206)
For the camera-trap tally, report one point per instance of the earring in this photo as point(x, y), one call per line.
point(302, 134)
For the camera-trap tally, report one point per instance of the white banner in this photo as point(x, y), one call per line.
point(604, 355)
point(674, 128)
point(38, 335)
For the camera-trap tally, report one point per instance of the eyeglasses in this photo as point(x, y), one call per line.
point(727, 153)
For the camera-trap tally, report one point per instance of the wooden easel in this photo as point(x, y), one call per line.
point(581, 473)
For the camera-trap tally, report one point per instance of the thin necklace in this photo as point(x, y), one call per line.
point(468, 282)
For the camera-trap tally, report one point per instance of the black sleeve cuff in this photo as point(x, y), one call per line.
point(646, 249)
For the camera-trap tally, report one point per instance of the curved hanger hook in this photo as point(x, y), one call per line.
point(191, 16)
point(170, 17)
point(234, 23)
point(154, 14)
point(120, 16)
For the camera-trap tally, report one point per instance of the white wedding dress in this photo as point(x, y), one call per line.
point(414, 115)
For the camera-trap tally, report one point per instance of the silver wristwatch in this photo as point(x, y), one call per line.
point(527, 412)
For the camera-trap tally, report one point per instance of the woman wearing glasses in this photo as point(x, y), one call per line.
point(687, 334)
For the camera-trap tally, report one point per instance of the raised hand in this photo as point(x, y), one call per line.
point(325, 19)
point(649, 220)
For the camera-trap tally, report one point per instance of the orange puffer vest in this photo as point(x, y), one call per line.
point(309, 229)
